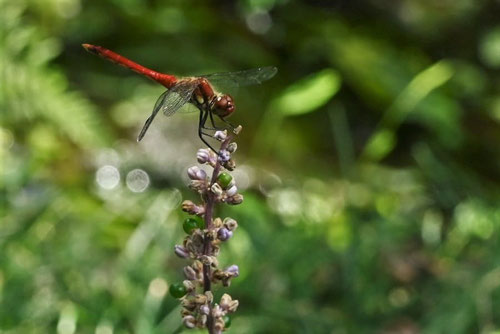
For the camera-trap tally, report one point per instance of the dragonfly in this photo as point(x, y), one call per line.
point(200, 91)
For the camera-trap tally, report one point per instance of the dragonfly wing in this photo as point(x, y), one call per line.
point(157, 108)
point(169, 102)
point(178, 96)
point(188, 108)
point(253, 76)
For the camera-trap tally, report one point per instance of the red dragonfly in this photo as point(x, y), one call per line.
point(199, 91)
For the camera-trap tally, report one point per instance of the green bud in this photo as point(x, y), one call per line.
point(200, 222)
point(177, 290)
point(224, 179)
point(190, 225)
point(227, 321)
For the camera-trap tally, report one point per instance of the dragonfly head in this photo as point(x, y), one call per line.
point(224, 105)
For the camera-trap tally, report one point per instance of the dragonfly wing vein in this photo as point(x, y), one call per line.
point(169, 102)
point(253, 76)
point(150, 119)
point(178, 96)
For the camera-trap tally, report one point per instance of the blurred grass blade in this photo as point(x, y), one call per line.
point(383, 140)
point(342, 137)
point(171, 322)
point(148, 229)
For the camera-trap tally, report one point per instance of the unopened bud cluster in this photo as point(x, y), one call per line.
point(204, 238)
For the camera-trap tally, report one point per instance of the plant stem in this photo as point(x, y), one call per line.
point(209, 206)
point(209, 209)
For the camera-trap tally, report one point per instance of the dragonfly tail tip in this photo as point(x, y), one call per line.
point(90, 48)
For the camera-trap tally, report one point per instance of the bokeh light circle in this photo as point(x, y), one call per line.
point(137, 180)
point(108, 177)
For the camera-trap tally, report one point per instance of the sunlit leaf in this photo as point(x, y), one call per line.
point(489, 48)
point(380, 144)
point(308, 94)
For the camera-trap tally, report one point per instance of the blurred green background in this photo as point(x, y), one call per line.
point(370, 164)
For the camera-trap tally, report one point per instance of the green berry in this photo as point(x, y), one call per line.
point(190, 224)
point(227, 321)
point(177, 290)
point(224, 179)
point(200, 222)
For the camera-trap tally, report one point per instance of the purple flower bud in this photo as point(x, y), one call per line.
point(209, 260)
point(188, 206)
point(196, 174)
point(181, 252)
point(232, 191)
point(224, 155)
point(201, 174)
point(188, 285)
point(233, 270)
point(228, 304)
point(191, 208)
point(202, 320)
point(237, 130)
point(232, 147)
point(198, 185)
point(216, 189)
point(203, 155)
point(224, 234)
point(235, 200)
point(217, 311)
point(204, 309)
point(189, 321)
point(213, 159)
point(229, 165)
point(220, 135)
point(190, 273)
point(192, 171)
point(230, 224)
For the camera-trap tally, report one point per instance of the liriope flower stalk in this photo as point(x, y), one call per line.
point(205, 235)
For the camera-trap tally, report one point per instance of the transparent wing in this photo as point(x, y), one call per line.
point(169, 102)
point(188, 108)
point(253, 76)
point(178, 96)
point(150, 119)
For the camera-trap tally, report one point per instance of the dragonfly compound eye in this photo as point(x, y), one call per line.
point(224, 105)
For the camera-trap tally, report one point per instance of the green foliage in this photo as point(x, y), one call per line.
point(307, 94)
point(369, 165)
point(383, 140)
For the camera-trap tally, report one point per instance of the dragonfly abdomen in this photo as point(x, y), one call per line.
point(164, 79)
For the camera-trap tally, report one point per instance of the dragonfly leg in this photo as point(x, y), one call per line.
point(207, 134)
point(228, 123)
point(212, 121)
point(214, 127)
point(200, 134)
point(201, 126)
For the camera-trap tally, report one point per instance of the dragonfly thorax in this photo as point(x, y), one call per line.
point(223, 105)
